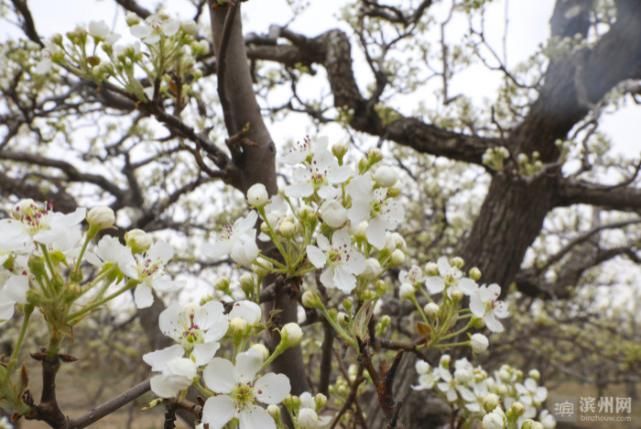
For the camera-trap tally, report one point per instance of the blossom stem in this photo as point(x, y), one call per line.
point(459, 332)
point(458, 344)
point(339, 329)
point(49, 262)
point(76, 317)
point(13, 360)
point(83, 249)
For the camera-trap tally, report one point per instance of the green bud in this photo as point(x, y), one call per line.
point(311, 299)
point(475, 274)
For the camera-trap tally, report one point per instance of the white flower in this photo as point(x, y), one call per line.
point(15, 239)
point(44, 66)
point(451, 277)
point(383, 214)
point(101, 217)
point(5, 423)
point(176, 372)
point(531, 395)
point(257, 195)
point(53, 229)
point(341, 260)
point(385, 176)
point(110, 250)
point(406, 291)
point(245, 310)
point(238, 392)
point(484, 303)
point(372, 269)
point(494, 420)
point(320, 170)
point(307, 417)
point(411, 277)
point(452, 387)
point(333, 213)
point(291, 334)
point(237, 241)
point(151, 273)
point(426, 377)
point(479, 343)
point(100, 29)
point(138, 240)
point(196, 328)
point(13, 291)
point(547, 420)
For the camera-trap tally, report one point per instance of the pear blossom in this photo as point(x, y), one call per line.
point(237, 241)
point(485, 304)
point(381, 213)
point(100, 29)
point(151, 273)
point(197, 328)
point(455, 386)
point(12, 291)
point(110, 250)
point(257, 195)
point(411, 277)
point(547, 420)
point(451, 277)
point(340, 259)
point(426, 377)
point(531, 395)
point(333, 213)
point(238, 390)
point(176, 371)
point(245, 310)
point(494, 420)
point(479, 343)
point(15, 239)
point(308, 417)
point(53, 229)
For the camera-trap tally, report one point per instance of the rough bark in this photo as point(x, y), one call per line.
point(256, 162)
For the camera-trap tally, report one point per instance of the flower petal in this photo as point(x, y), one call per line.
point(255, 417)
point(272, 388)
point(316, 256)
point(219, 375)
point(159, 359)
point(143, 297)
point(247, 365)
point(203, 353)
point(217, 411)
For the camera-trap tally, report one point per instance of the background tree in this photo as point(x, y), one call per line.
point(525, 186)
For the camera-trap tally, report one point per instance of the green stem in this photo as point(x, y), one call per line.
point(79, 314)
point(13, 360)
point(49, 262)
point(339, 329)
point(76, 268)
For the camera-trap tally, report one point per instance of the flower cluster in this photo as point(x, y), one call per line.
point(505, 399)
point(164, 54)
point(335, 217)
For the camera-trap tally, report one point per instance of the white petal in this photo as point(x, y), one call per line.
point(217, 250)
point(219, 375)
point(203, 353)
point(160, 251)
point(143, 296)
point(338, 175)
point(467, 286)
point(245, 223)
point(376, 232)
point(6, 310)
point(476, 305)
point(501, 310)
point(327, 278)
point(255, 417)
point(344, 280)
point(492, 323)
point(171, 321)
point(434, 284)
point(246, 310)
point(15, 289)
point(316, 256)
point(164, 385)
point(217, 411)
point(211, 317)
point(247, 365)
point(159, 359)
point(444, 267)
point(272, 388)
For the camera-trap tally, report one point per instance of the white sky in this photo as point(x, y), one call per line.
point(528, 28)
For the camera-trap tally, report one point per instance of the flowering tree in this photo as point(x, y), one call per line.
point(340, 249)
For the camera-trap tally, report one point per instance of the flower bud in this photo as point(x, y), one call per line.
point(321, 401)
point(535, 374)
point(385, 176)
point(406, 291)
point(189, 26)
point(531, 424)
point(431, 309)
point(101, 218)
point(479, 343)
point(260, 349)
point(458, 262)
point(311, 299)
point(257, 195)
point(339, 150)
point(238, 327)
point(372, 269)
point(431, 269)
point(287, 228)
point(132, 19)
point(274, 411)
point(223, 285)
point(262, 266)
point(445, 361)
point(398, 258)
point(138, 240)
point(291, 334)
point(517, 409)
point(422, 367)
point(456, 295)
point(494, 420)
point(374, 155)
point(333, 213)
point(360, 232)
point(475, 274)
point(490, 402)
point(247, 283)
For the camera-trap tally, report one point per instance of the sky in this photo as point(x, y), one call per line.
point(527, 28)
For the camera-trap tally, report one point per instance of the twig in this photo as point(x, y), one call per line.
point(110, 406)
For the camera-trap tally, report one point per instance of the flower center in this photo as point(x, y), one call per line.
point(242, 395)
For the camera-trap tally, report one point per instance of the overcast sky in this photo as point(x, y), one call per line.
point(528, 28)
